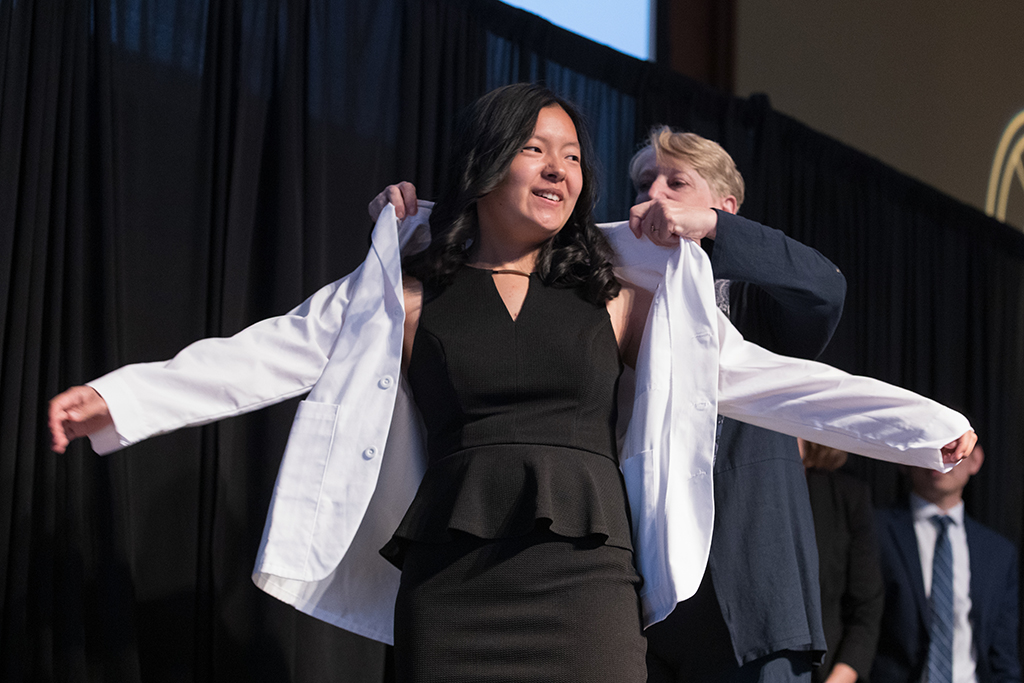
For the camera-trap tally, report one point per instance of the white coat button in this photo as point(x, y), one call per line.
point(370, 453)
point(385, 382)
point(702, 405)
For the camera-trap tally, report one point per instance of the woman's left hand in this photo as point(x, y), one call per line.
point(955, 451)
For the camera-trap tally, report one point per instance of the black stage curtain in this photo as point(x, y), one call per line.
point(170, 171)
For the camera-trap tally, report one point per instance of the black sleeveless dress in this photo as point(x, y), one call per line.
point(515, 553)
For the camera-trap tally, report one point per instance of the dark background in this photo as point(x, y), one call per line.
point(171, 171)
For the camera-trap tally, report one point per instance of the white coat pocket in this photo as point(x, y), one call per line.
point(299, 482)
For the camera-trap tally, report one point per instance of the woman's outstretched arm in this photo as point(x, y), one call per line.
point(214, 378)
point(823, 404)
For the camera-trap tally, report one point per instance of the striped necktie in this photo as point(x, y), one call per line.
point(940, 647)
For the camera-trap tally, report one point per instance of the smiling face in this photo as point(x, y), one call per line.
point(674, 179)
point(538, 195)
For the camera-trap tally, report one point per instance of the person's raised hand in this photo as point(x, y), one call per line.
point(74, 413)
point(402, 195)
point(665, 221)
point(955, 451)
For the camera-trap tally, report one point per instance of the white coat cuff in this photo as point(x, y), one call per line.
point(122, 405)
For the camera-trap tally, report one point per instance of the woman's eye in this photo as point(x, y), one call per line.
point(574, 157)
point(531, 148)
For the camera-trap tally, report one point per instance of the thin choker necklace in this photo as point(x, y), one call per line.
point(510, 271)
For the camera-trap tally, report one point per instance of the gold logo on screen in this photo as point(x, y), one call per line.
point(1007, 167)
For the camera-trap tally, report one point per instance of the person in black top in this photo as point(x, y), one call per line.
point(516, 557)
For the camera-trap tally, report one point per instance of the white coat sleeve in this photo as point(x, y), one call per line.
point(214, 378)
point(828, 406)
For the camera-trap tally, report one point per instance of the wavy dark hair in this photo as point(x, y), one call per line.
point(491, 132)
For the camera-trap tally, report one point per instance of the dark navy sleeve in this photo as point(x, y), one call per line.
point(784, 296)
point(1003, 657)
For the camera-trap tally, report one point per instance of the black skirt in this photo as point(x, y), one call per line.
point(538, 608)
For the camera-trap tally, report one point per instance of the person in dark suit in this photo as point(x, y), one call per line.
point(852, 592)
point(757, 613)
point(982, 612)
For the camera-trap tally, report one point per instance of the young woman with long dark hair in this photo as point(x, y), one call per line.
point(516, 552)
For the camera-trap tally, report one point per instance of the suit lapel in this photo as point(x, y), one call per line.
point(976, 556)
point(902, 529)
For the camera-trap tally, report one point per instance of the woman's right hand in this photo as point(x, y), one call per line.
point(955, 451)
point(402, 195)
point(77, 412)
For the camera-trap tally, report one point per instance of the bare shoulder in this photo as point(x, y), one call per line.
point(630, 300)
point(412, 292)
point(628, 313)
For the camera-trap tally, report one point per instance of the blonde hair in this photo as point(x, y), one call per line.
point(706, 157)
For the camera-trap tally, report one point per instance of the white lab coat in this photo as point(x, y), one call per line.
point(356, 455)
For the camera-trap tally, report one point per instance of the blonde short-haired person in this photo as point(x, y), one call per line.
point(757, 613)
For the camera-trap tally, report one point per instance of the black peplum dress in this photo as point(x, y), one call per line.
point(516, 557)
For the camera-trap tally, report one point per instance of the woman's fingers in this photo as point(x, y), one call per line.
point(407, 192)
point(74, 413)
point(955, 451)
point(402, 195)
